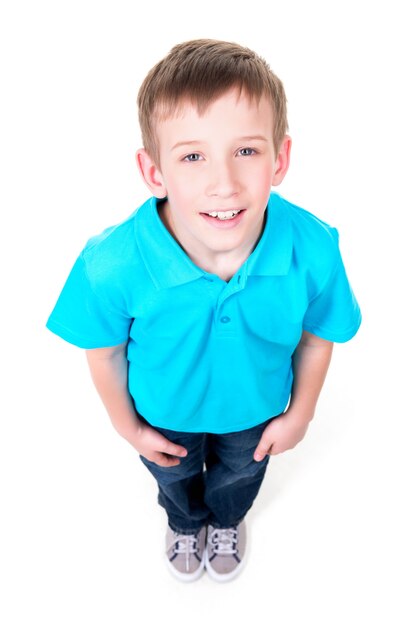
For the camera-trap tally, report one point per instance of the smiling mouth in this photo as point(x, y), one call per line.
point(224, 215)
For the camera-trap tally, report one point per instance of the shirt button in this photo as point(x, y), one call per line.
point(225, 319)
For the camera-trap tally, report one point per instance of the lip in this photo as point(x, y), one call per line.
point(224, 209)
point(224, 224)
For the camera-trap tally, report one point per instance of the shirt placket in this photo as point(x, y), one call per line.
point(225, 314)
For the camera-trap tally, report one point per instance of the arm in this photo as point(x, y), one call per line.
point(310, 365)
point(109, 371)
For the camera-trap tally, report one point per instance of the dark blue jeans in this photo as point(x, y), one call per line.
point(216, 483)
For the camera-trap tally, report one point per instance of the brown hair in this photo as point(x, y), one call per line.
point(200, 71)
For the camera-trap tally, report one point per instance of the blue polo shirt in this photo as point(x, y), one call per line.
point(207, 355)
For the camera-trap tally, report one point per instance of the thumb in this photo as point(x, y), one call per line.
point(164, 461)
point(168, 447)
point(262, 449)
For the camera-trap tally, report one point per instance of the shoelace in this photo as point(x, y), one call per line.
point(224, 541)
point(187, 545)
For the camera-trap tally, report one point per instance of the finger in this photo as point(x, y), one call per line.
point(262, 450)
point(173, 449)
point(164, 460)
point(167, 447)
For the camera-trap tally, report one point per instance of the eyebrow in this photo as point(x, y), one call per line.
point(194, 142)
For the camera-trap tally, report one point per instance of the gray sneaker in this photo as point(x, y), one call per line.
point(185, 554)
point(225, 550)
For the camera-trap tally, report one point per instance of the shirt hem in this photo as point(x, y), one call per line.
point(211, 431)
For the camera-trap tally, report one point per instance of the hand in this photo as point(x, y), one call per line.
point(282, 433)
point(156, 448)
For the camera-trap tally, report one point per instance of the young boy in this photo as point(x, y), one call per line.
point(209, 315)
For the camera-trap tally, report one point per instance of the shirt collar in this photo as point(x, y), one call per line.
point(273, 253)
point(166, 261)
point(169, 266)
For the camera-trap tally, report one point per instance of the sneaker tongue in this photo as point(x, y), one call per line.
point(224, 541)
point(185, 544)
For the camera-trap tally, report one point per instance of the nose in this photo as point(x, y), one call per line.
point(223, 180)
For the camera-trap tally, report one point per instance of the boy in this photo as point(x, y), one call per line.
point(209, 315)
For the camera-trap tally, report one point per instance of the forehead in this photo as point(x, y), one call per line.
point(230, 113)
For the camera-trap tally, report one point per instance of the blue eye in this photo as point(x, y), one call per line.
point(191, 158)
point(246, 151)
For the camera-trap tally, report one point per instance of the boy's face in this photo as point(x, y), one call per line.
point(216, 172)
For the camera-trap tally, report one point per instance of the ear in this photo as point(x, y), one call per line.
point(282, 161)
point(151, 174)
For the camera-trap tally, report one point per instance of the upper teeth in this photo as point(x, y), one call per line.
point(223, 215)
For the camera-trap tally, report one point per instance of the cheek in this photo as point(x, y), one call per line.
point(181, 195)
point(183, 185)
point(259, 173)
point(265, 177)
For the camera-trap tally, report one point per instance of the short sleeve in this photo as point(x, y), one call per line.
point(84, 318)
point(334, 313)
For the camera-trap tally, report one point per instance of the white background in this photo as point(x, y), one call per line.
point(333, 532)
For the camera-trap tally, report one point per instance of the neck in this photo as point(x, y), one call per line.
point(223, 263)
point(223, 266)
